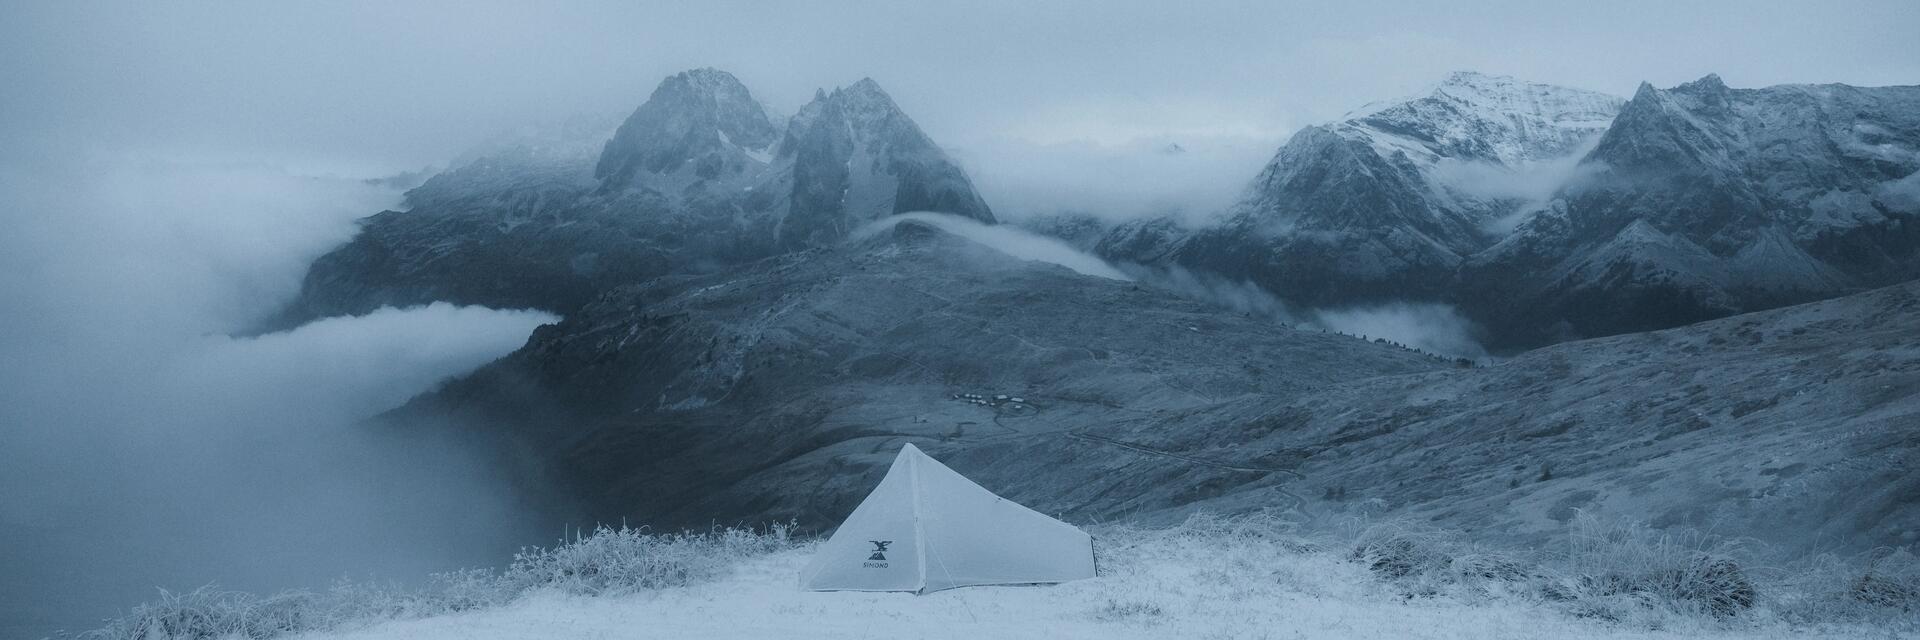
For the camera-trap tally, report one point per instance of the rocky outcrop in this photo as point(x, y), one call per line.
point(695, 179)
point(1703, 201)
point(855, 158)
point(781, 390)
point(1387, 202)
point(701, 124)
point(676, 401)
point(1548, 219)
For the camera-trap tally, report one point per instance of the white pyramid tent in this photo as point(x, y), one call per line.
point(927, 528)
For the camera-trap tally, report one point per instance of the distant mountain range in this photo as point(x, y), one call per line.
point(1550, 213)
point(1544, 213)
point(699, 177)
point(733, 350)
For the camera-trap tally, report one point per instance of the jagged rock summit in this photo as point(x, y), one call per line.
point(1703, 200)
point(1492, 118)
point(698, 177)
point(701, 121)
point(1381, 205)
point(854, 157)
point(1547, 217)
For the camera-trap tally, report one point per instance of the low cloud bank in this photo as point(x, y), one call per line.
point(1240, 296)
point(1006, 239)
point(1182, 177)
point(1532, 185)
point(1902, 194)
point(1427, 326)
point(144, 447)
point(1432, 327)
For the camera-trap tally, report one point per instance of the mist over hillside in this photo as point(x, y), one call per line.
point(144, 447)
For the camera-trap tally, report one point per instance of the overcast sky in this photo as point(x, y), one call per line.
point(365, 86)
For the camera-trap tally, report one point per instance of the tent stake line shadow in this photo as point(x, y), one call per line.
point(927, 528)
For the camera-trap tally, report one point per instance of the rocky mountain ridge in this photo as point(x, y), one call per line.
point(1696, 202)
point(1703, 201)
point(698, 177)
point(781, 389)
point(733, 350)
point(1370, 207)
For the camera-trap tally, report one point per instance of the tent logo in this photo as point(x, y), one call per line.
point(879, 550)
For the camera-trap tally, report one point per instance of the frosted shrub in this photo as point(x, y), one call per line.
point(1891, 581)
point(612, 561)
point(1882, 585)
point(1115, 546)
point(607, 561)
point(1425, 562)
point(212, 613)
point(468, 589)
point(1130, 610)
point(1612, 565)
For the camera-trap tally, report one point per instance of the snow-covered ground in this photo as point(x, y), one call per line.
point(1153, 586)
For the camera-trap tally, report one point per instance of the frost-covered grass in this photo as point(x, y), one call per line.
point(606, 562)
point(1640, 577)
point(1239, 577)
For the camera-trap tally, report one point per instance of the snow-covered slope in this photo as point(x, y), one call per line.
point(1385, 203)
point(851, 157)
point(779, 389)
point(696, 178)
point(761, 391)
point(698, 125)
point(1473, 116)
point(1548, 218)
point(1218, 582)
point(1777, 195)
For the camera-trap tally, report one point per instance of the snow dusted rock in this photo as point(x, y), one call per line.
point(698, 125)
point(852, 157)
point(1473, 116)
point(1385, 203)
point(1547, 218)
point(1703, 201)
point(696, 178)
point(781, 389)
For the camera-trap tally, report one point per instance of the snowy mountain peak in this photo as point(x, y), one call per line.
point(1387, 202)
point(718, 93)
point(862, 110)
point(1708, 83)
point(866, 85)
point(707, 79)
point(1481, 117)
point(858, 157)
point(1474, 86)
point(1470, 77)
point(695, 177)
point(703, 120)
point(865, 101)
point(1423, 163)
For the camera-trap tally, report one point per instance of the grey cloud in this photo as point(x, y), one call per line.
point(143, 447)
point(357, 84)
